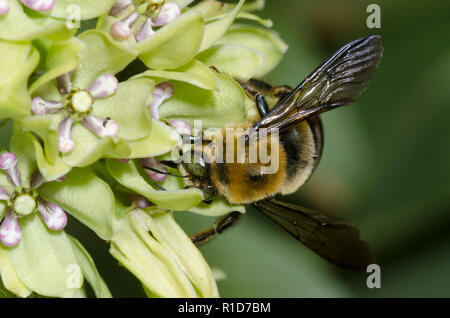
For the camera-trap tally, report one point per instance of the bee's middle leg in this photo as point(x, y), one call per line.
point(221, 225)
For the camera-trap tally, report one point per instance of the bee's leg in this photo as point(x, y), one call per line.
point(281, 91)
point(221, 225)
point(261, 104)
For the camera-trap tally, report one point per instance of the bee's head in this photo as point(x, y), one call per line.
point(247, 178)
point(199, 172)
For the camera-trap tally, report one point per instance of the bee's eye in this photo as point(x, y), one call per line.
point(196, 165)
point(253, 178)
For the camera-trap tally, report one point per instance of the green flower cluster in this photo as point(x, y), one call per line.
point(81, 136)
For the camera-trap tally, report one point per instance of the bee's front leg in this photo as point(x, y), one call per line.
point(221, 225)
point(261, 104)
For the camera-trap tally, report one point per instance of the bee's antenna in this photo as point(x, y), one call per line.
point(162, 172)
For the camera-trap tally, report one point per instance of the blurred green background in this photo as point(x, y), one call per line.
point(385, 164)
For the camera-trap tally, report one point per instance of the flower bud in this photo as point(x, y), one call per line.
point(54, 217)
point(145, 31)
point(119, 6)
point(4, 7)
point(121, 30)
point(169, 12)
point(8, 163)
point(10, 231)
point(162, 92)
point(105, 85)
point(65, 142)
point(101, 127)
point(40, 106)
point(39, 5)
point(181, 127)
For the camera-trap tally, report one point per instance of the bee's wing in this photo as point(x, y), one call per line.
point(335, 240)
point(338, 81)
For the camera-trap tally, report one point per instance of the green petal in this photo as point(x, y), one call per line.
point(252, 17)
point(43, 260)
point(195, 73)
point(30, 153)
point(174, 44)
point(145, 257)
point(182, 3)
point(127, 174)
point(218, 207)
point(264, 41)
point(89, 270)
point(21, 59)
point(21, 144)
point(86, 197)
point(62, 57)
point(89, 148)
point(128, 107)
point(215, 30)
point(88, 9)
point(164, 228)
point(238, 61)
point(103, 55)
point(18, 26)
point(10, 279)
point(161, 140)
point(215, 108)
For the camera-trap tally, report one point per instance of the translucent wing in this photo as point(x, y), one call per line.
point(333, 239)
point(338, 81)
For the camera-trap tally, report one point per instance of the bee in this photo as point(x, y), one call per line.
point(338, 81)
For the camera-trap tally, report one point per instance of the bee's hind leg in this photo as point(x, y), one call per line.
point(221, 225)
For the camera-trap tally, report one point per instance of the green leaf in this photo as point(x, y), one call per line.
point(238, 61)
point(22, 58)
point(103, 55)
point(89, 270)
point(62, 57)
point(16, 25)
point(43, 260)
point(174, 44)
point(215, 30)
point(22, 145)
point(128, 107)
point(161, 140)
point(164, 228)
point(86, 197)
point(89, 148)
point(195, 73)
point(127, 174)
point(266, 42)
point(145, 257)
point(10, 279)
point(217, 207)
point(88, 9)
point(215, 108)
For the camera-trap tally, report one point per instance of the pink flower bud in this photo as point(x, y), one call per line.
point(39, 5)
point(4, 195)
point(10, 231)
point(40, 106)
point(145, 31)
point(169, 12)
point(121, 30)
point(181, 127)
point(105, 85)
point(102, 127)
point(65, 142)
point(65, 83)
point(161, 93)
point(53, 216)
point(4, 7)
point(8, 163)
point(155, 164)
point(119, 6)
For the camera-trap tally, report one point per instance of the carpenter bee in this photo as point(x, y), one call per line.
point(338, 81)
